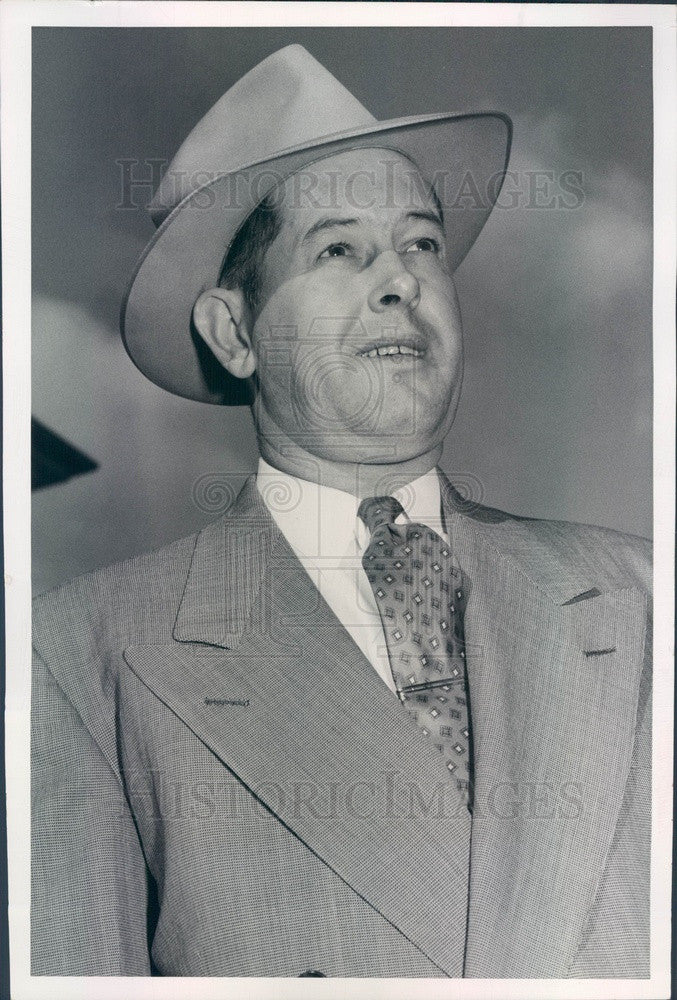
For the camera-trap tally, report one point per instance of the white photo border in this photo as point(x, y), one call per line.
point(17, 17)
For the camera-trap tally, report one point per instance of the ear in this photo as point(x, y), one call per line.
point(221, 317)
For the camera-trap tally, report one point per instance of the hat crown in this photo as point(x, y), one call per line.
point(285, 101)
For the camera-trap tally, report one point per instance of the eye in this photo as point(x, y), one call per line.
point(334, 250)
point(426, 243)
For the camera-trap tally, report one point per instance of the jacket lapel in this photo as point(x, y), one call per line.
point(554, 660)
point(269, 680)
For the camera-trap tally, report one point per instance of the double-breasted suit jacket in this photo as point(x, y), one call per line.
point(223, 785)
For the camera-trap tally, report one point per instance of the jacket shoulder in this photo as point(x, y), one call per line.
point(81, 628)
point(556, 550)
point(624, 558)
point(116, 605)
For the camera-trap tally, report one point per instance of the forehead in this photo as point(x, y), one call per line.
point(360, 182)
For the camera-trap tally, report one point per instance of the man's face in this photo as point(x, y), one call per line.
point(357, 273)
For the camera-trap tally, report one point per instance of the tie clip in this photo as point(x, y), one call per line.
point(425, 686)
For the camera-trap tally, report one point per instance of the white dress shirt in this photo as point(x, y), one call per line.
point(322, 527)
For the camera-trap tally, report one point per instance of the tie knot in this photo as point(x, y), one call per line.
point(375, 511)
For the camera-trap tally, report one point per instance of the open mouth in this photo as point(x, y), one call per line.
point(385, 350)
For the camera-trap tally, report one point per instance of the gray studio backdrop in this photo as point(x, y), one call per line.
point(555, 417)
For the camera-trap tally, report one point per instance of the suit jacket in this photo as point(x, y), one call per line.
point(222, 784)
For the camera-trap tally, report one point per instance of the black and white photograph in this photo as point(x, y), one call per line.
point(347, 498)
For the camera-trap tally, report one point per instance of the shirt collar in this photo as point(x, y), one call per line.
point(320, 521)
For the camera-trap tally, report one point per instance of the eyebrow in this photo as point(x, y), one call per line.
point(333, 222)
point(329, 223)
point(433, 217)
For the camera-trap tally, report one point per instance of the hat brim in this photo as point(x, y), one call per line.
point(464, 156)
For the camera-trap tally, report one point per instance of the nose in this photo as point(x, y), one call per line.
point(394, 286)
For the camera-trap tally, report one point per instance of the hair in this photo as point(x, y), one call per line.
point(243, 263)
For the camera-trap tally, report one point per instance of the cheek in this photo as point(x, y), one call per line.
point(306, 320)
point(299, 341)
point(297, 312)
point(443, 300)
point(445, 316)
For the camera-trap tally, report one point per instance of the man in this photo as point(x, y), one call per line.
point(357, 727)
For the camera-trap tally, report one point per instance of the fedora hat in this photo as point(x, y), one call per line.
point(283, 115)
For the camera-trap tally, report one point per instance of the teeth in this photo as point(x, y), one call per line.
point(391, 349)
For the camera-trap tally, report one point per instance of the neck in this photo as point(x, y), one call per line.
point(362, 479)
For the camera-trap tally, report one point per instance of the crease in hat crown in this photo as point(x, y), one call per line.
point(285, 101)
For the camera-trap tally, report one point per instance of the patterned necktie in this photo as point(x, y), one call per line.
point(421, 594)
